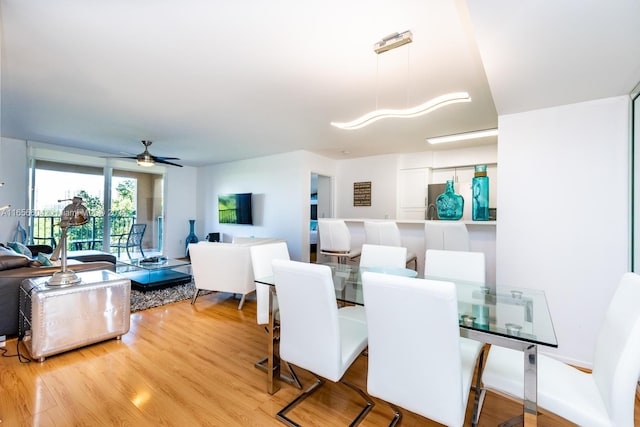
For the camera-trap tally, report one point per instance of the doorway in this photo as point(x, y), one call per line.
point(320, 207)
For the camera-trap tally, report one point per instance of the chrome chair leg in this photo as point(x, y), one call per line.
point(479, 392)
point(195, 295)
point(289, 379)
point(369, 406)
point(241, 302)
point(308, 392)
point(319, 382)
point(397, 415)
point(515, 421)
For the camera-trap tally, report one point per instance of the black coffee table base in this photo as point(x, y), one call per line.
point(151, 280)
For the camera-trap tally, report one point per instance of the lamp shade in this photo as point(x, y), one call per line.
point(74, 214)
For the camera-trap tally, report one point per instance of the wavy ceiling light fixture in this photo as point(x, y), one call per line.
point(388, 43)
point(418, 110)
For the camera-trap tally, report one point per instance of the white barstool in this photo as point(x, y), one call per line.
point(335, 240)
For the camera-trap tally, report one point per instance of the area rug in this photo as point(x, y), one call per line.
point(144, 300)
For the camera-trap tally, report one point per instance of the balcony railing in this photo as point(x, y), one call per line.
point(45, 230)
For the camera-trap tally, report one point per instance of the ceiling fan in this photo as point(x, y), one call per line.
point(147, 159)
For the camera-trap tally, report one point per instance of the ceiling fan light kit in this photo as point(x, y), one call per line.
point(146, 159)
point(147, 163)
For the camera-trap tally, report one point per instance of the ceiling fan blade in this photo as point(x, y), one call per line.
point(161, 160)
point(119, 157)
point(147, 157)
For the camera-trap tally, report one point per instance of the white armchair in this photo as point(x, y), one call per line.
point(222, 267)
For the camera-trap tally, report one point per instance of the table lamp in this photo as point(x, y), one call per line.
point(74, 214)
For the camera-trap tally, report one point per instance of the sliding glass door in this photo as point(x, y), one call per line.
point(54, 184)
point(130, 197)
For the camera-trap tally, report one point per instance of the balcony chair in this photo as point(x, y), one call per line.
point(383, 256)
point(387, 233)
point(313, 334)
point(262, 257)
point(335, 240)
point(446, 235)
point(604, 397)
point(131, 240)
point(417, 359)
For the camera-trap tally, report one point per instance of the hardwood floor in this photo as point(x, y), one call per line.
point(187, 365)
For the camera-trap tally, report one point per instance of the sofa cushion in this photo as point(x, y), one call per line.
point(90, 255)
point(11, 259)
point(20, 248)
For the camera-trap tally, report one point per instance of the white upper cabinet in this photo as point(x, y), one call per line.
point(412, 189)
point(412, 193)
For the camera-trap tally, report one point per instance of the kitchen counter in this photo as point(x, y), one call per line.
point(482, 236)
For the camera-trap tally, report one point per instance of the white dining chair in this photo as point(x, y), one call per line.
point(313, 335)
point(446, 235)
point(387, 233)
point(335, 240)
point(455, 265)
point(604, 397)
point(417, 359)
point(262, 257)
point(461, 266)
point(383, 256)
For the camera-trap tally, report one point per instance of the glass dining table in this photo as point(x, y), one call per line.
point(505, 316)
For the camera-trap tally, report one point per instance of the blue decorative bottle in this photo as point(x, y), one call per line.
point(449, 204)
point(191, 238)
point(480, 191)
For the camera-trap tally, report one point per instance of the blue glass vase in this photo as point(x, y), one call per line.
point(449, 204)
point(191, 238)
point(480, 191)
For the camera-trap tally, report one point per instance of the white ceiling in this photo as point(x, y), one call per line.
point(215, 81)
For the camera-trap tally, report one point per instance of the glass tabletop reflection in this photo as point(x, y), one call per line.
point(510, 312)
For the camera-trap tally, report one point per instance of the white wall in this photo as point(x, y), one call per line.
point(563, 223)
point(181, 200)
point(281, 192)
point(382, 171)
point(14, 173)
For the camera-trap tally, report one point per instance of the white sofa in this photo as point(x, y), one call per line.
point(224, 267)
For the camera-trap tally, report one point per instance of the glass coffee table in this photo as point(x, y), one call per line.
point(163, 273)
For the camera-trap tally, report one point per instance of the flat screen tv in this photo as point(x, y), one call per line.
point(235, 209)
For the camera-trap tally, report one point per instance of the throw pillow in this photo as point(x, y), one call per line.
point(20, 248)
point(44, 260)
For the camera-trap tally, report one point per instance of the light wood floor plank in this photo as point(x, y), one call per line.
point(185, 364)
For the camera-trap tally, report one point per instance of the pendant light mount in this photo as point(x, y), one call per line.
point(393, 41)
